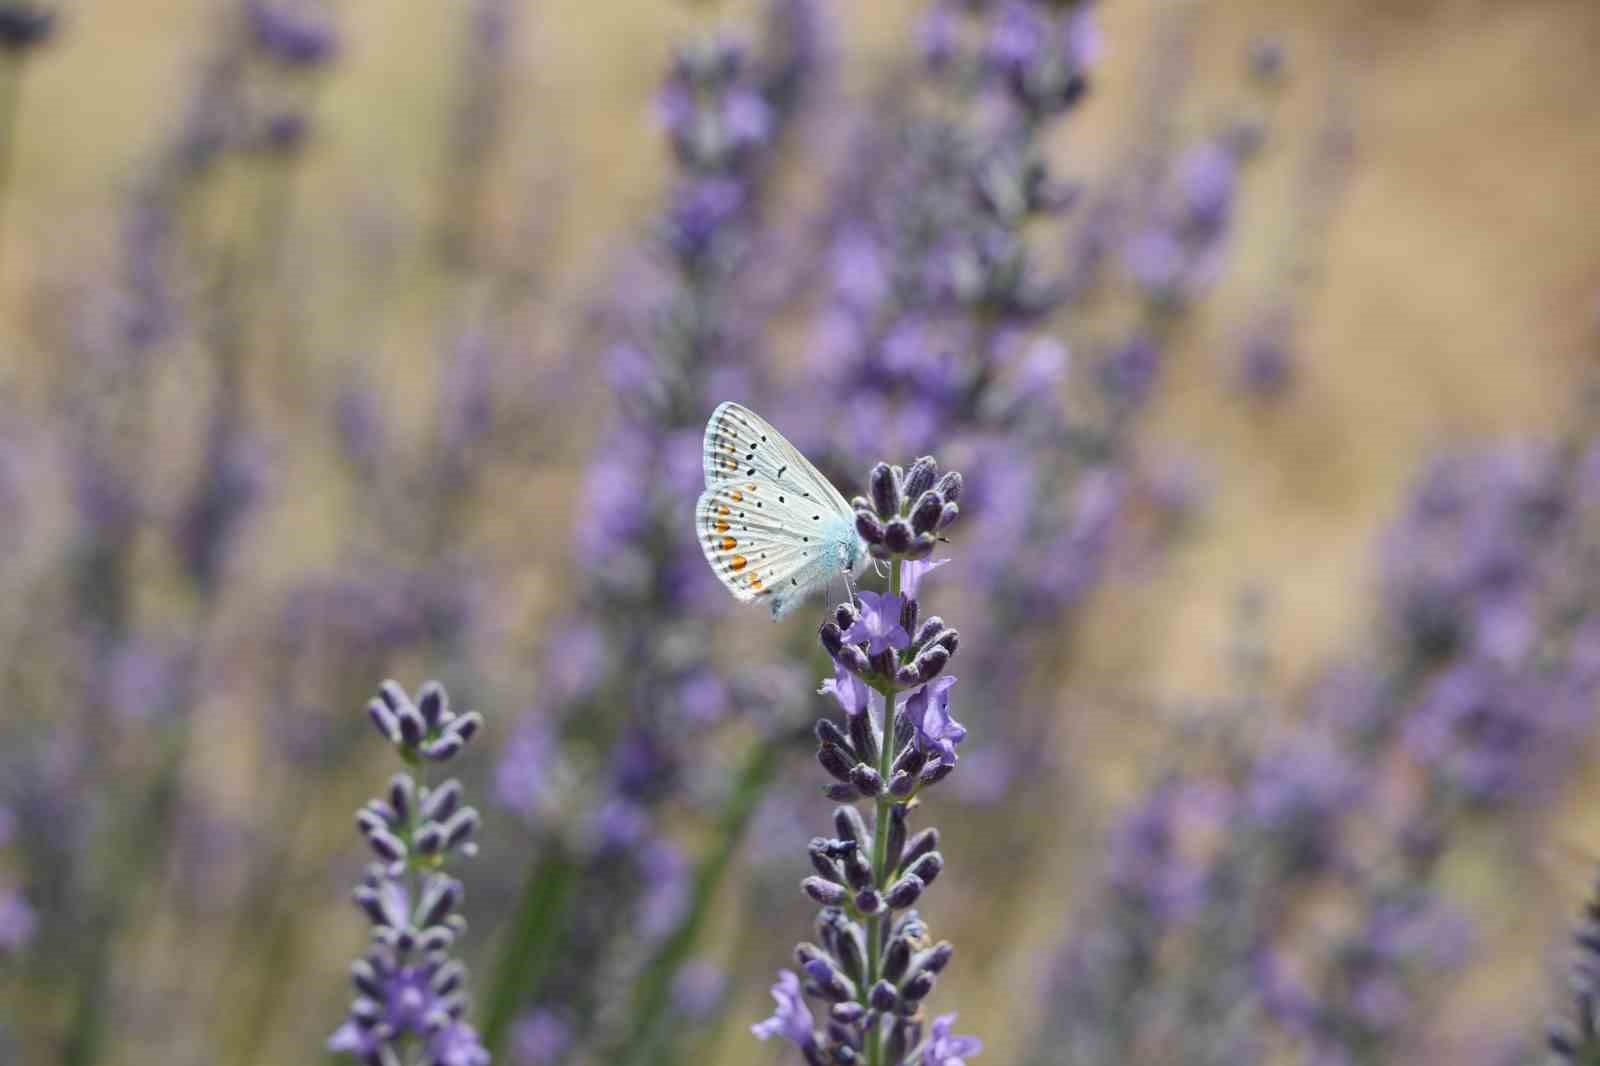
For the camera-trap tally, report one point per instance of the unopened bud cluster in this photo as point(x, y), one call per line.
point(907, 509)
point(410, 993)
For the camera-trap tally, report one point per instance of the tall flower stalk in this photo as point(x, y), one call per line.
point(874, 963)
point(411, 1001)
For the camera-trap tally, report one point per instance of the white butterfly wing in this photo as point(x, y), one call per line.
point(771, 526)
point(741, 444)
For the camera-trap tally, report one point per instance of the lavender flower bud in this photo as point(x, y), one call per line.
point(907, 676)
point(393, 695)
point(916, 987)
point(834, 760)
point(868, 526)
point(896, 959)
point(932, 775)
point(828, 733)
point(435, 938)
point(902, 784)
point(905, 892)
point(840, 792)
point(923, 842)
point(869, 902)
point(831, 637)
point(930, 663)
point(460, 828)
point(384, 719)
point(885, 489)
point(927, 867)
point(948, 516)
point(908, 614)
point(465, 726)
point(948, 639)
point(369, 822)
point(402, 796)
point(830, 982)
point(922, 546)
point(897, 838)
point(883, 996)
point(386, 845)
point(857, 871)
point(920, 477)
point(430, 839)
point(433, 704)
point(854, 660)
point(847, 947)
point(910, 761)
point(448, 978)
point(846, 615)
point(443, 749)
point(897, 536)
point(441, 895)
point(365, 977)
point(925, 515)
point(825, 866)
point(442, 802)
point(825, 892)
point(851, 826)
point(930, 627)
point(867, 781)
point(367, 899)
point(863, 739)
point(847, 1013)
point(949, 486)
point(904, 1034)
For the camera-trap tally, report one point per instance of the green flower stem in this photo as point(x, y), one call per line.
point(880, 845)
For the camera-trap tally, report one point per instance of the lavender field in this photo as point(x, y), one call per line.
point(910, 533)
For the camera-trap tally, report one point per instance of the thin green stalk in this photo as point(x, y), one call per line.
point(880, 846)
point(531, 944)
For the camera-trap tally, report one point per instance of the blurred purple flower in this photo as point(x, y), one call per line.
point(540, 1038)
point(18, 921)
point(943, 1049)
point(791, 1019)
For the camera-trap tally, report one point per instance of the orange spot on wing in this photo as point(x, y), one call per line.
point(756, 584)
point(737, 496)
point(728, 543)
point(722, 527)
point(738, 562)
point(724, 512)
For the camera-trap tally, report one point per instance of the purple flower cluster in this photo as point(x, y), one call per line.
point(873, 962)
point(410, 993)
point(1575, 1039)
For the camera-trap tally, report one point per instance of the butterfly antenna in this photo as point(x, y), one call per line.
point(849, 589)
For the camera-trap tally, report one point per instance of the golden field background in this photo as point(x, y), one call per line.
point(1454, 294)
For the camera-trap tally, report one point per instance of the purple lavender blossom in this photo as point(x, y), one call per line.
point(878, 625)
point(946, 1050)
point(540, 1038)
point(928, 708)
point(18, 922)
point(791, 1019)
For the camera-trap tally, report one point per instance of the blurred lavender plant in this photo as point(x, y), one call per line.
point(1575, 1038)
point(874, 963)
point(410, 999)
point(636, 721)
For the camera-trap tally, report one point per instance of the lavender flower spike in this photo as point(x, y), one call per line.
point(410, 1001)
point(873, 963)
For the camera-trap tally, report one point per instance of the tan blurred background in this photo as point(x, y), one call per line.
point(1450, 292)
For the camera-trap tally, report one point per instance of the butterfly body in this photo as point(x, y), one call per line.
point(771, 525)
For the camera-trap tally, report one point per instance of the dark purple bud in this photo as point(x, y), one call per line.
point(430, 838)
point(897, 959)
point(435, 938)
point(385, 720)
point(857, 871)
point(925, 515)
point(930, 627)
point(825, 892)
point(908, 614)
point(931, 663)
point(841, 1050)
point(459, 829)
point(927, 867)
point(412, 727)
point(911, 760)
point(902, 784)
point(828, 733)
point(904, 1034)
point(923, 842)
point(402, 796)
point(920, 477)
point(831, 637)
point(367, 899)
point(897, 536)
point(433, 703)
point(867, 781)
point(441, 896)
point(862, 739)
point(938, 957)
point(916, 987)
point(820, 862)
point(465, 726)
point(369, 822)
point(884, 663)
point(854, 660)
point(868, 526)
point(896, 844)
point(949, 640)
point(949, 486)
point(847, 1013)
point(907, 676)
point(868, 901)
point(948, 516)
point(845, 615)
point(835, 761)
point(827, 982)
point(851, 826)
point(366, 978)
point(880, 552)
point(840, 792)
point(448, 978)
point(366, 1012)
point(393, 694)
point(932, 775)
point(883, 996)
point(848, 949)
point(442, 802)
point(905, 892)
point(386, 845)
point(885, 490)
point(922, 546)
point(444, 749)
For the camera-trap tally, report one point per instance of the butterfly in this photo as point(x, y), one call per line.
point(772, 527)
